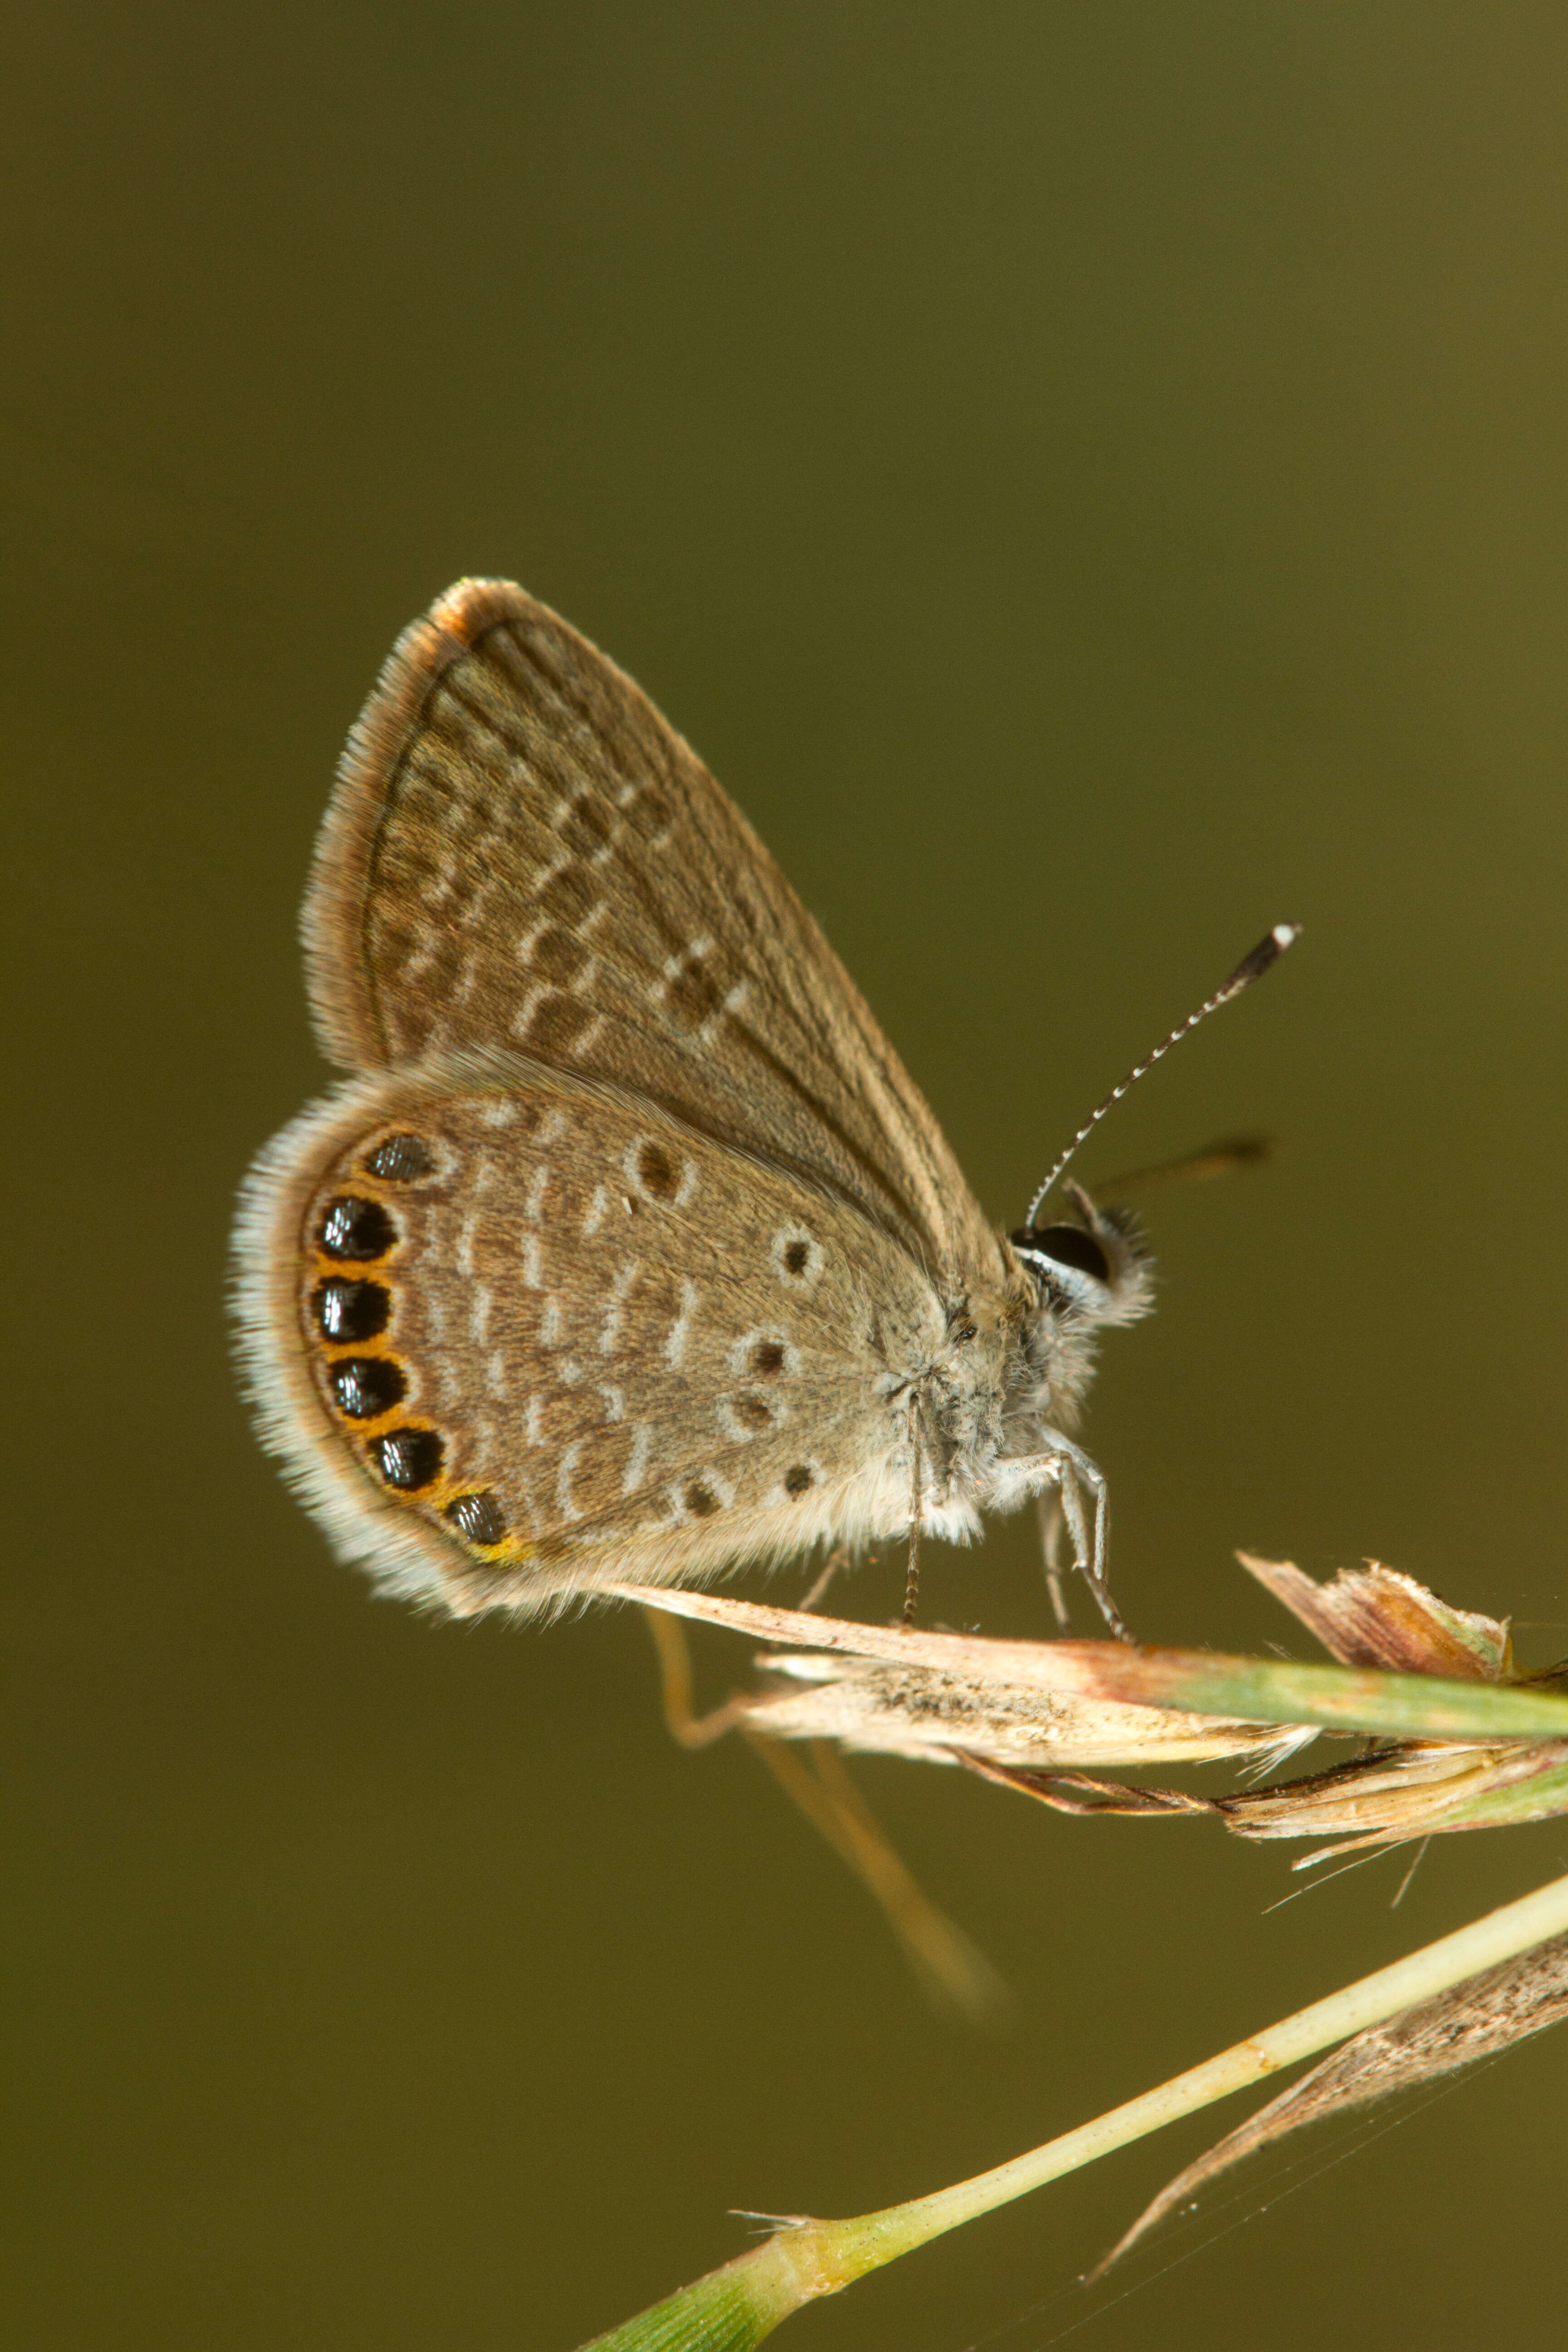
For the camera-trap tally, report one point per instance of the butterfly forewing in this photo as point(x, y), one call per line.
point(523, 856)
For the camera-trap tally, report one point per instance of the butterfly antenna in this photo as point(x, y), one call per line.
point(1267, 952)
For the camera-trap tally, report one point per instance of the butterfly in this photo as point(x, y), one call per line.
point(626, 1249)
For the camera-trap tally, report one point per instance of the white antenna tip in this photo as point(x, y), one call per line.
point(1267, 953)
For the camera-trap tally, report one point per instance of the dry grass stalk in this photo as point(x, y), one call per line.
point(1035, 1716)
point(1204, 1682)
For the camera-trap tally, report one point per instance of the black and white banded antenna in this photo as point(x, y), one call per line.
point(1252, 967)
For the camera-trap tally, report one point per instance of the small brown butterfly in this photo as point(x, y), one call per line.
point(628, 1251)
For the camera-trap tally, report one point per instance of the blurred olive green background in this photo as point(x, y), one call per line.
point(1092, 481)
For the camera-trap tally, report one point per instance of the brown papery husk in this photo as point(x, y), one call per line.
point(1377, 1616)
point(873, 1708)
point(1477, 2019)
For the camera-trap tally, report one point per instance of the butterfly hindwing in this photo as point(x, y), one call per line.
point(535, 1328)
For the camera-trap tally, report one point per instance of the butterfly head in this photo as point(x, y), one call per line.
point(1021, 1356)
point(1089, 1270)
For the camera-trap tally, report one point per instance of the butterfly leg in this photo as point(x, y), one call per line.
point(1075, 1476)
point(836, 1559)
point(954, 1971)
point(917, 1507)
point(675, 1689)
point(1052, 1525)
point(955, 1975)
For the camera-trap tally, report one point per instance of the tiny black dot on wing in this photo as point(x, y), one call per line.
point(753, 1412)
point(798, 1479)
point(410, 1459)
point(655, 1172)
point(356, 1229)
point(701, 1501)
point(796, 1257)
point(767, 1359)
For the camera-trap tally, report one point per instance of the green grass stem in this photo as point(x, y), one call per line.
point(737, 2306)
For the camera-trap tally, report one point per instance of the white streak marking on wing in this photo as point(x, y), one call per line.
point(610, 1328)
point(676, 1338)
point(563, 1502)
point(422, 958)
point(642, 1439)
point(524, 1016)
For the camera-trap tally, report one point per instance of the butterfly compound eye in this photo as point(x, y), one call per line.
point(1065, 1245)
